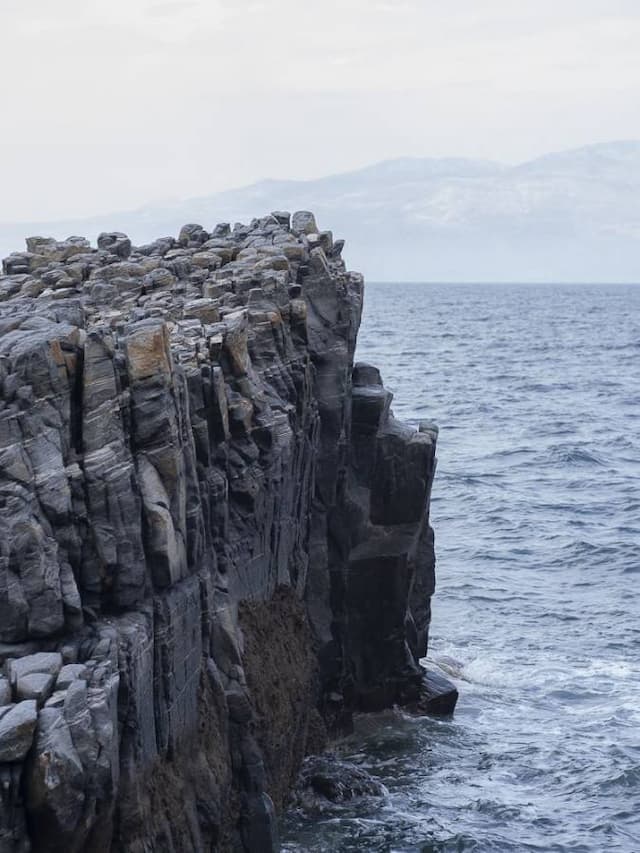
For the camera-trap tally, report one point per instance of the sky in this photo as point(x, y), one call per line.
point(113, 104)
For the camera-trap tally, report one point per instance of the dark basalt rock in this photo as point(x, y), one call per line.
point(437, 696)
point(214, 540)
point(325, 779)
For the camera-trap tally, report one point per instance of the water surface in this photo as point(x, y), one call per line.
point(536, 509)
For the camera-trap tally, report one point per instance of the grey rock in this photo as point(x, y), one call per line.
point(283, 217)
point(327, 778)
point(116, 243)
point(78, 718)
point(336, 250)
point(304, 222)
point(56, 700)
point(69, 673)
point(438, 696)
point(57, 250)
point(211, 517)
point(49, 663)
point(17, 726)
point(206, 310)
point(5, 691)
point(239, 704)
point(259, 827)
point(36, 685)
point(192, 236)
point(402, 475)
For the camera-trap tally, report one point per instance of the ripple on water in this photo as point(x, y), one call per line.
point(537, 394)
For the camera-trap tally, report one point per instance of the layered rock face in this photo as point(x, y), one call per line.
point(214, 540)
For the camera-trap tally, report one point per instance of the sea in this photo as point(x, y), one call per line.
point(536, 616)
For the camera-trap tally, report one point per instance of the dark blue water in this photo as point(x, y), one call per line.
point(536, 509)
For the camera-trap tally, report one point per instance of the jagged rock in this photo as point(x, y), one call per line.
point(14, 836)
point(283, 217)
point(116, 243)
point(212, 519)
point(69, 673)
point(304, 222)
point(57, 250)
point(437, 696)
point(326, 778)
point(192, 236)
point(17, 726)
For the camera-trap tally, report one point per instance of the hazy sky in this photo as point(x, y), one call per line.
point(109, 104)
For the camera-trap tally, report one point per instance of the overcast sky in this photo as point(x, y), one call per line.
point(110, 104)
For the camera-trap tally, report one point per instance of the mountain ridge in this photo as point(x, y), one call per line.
point(571, 215)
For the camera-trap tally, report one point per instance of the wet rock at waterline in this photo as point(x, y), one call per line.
point(326, 780)
point(215, 535)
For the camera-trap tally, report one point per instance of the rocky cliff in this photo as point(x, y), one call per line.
point(214, 540)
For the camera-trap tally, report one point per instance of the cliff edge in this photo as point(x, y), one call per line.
point(214, 539)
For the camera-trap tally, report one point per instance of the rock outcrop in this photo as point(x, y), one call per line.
point(214, 540)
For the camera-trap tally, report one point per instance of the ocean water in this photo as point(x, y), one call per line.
point(536, 508)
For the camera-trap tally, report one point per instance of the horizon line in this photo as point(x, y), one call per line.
point(504, 282)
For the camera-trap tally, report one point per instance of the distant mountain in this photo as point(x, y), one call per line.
point(568, 216)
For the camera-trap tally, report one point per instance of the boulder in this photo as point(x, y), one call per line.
point(36, 685)
point(437, 696)
point(116, 243)
point(192, 236)
point(17, 727)
point(328, 779)
point(304, 222)
point(70, 673)
point(49, 663)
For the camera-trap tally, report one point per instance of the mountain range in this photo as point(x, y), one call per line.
point(567, 216)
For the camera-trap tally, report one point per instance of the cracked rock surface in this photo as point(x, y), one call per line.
point(214, 539)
